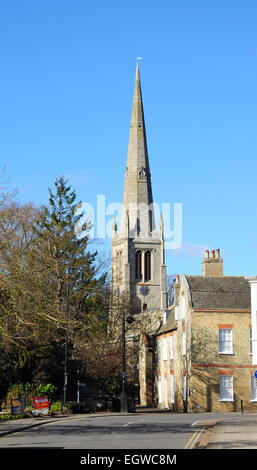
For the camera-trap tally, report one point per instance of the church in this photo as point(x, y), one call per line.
point(138, 265)
point(138, 270)
point(196, 354)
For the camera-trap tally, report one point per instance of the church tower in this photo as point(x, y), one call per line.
point(138, 265)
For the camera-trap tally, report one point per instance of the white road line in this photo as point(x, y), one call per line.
point(124, 425)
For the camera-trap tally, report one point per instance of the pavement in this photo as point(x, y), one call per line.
point(236, 431)
point(233, 433)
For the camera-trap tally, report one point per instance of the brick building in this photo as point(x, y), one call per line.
point(210, 327)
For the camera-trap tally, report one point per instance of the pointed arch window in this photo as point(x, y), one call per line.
point(139, 265)
point(148, 270)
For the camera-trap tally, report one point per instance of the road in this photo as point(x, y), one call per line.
point(132, 431)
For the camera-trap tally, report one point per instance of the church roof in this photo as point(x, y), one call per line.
point(170, 324)
point(227, 292)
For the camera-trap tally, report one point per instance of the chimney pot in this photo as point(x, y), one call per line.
point(177, 279)
point(212, 254)
point(206, 253)
point(217, 253)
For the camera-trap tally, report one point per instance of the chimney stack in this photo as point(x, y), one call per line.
point(212, 266)
point(176, 290)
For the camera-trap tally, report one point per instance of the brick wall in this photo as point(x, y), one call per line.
point(207, 364)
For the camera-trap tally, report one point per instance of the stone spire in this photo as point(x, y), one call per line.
point(137, 197)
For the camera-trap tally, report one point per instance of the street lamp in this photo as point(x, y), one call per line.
point(66, 336)
point(123, 397)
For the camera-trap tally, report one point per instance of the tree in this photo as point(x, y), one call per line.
point(67, 261)
point(41, 260)
point(71, 276)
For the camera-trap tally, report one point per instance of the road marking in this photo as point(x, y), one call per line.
point(124, 425)
point(194, 438)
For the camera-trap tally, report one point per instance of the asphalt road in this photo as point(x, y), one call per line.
point(133, 431)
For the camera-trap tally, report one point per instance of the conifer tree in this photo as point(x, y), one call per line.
point(64, 257)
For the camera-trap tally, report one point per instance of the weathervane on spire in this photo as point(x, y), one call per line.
point(139, 58)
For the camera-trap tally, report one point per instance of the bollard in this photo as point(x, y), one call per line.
point(242, 406)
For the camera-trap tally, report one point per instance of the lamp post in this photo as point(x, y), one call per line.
point(66, 336)
point(123, 397)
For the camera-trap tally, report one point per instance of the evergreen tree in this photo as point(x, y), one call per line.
point(72, 269)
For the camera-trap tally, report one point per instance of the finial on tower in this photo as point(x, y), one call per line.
point(138, 58)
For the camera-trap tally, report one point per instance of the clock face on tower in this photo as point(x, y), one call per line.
point(144, 290)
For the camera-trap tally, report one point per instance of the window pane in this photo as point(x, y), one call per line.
point(184, 388)
point(253, 388)
point(160, 389)
point(225, 340)
point(226, 387)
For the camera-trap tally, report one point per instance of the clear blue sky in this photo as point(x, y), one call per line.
point(66, 88)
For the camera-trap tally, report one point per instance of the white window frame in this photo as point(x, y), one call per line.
point(184, 387)
point(253, 388)
point(166, 403)
point(226, 388)
point(164, 349)
point(171, 348)
point(172, 389)
point(159, 389)
point(251, 341)
point(225, 341)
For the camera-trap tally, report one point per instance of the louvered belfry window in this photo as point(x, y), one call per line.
point(139, 265)
point(147, 265)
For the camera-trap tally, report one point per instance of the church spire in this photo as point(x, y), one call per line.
point(138, 188)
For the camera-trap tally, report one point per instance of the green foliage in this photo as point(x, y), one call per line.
point(56, 407)
point(46, 390)
point(20, 390)
point(75, 407)
point(44, 263)
point(112, 385)
point(8, 416)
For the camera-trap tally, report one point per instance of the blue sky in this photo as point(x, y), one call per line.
point(66, 88)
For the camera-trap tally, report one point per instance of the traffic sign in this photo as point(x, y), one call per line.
point(255, 374)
